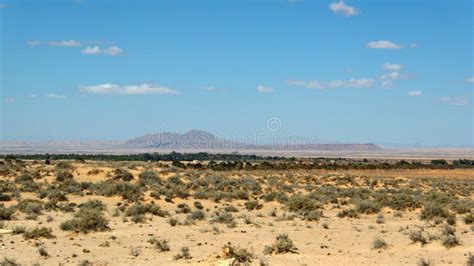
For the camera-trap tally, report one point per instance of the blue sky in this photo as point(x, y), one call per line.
point(353, 71)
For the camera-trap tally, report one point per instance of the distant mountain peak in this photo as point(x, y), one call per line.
point(197, 132)
point(196, 139)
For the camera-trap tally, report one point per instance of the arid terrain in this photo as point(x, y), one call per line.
point(77, 212)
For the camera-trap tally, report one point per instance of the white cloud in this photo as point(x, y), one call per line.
point(96, 50)
point(391, 76)
point(413, 45)
point(334, 84)
point(108, 88)
point(210, 89)
point(470, 80)
point(311, 84)
point(263, 89)
point(458, 101)
point(341, 8)
point(213, 89)
point(414, 93)
point(91, 50)
point(9, 100)
point(33, 43)
point(55, 96)
point(387, 83)
point(383, 44)
point(3, 5)
point(67, 43)
point(113, 50)
point(31, 96)
point(393, 67)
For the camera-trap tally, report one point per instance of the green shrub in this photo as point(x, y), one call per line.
point(433, 210)
point(450, 241)
point(252, 205)
point(183, 254)
point(8, 262)
point(43, 252)
point(379, 243)
point(351, 213)
point(241, 255)
point(312, 215)
point(367, 207)
point(30, 206)
point(449, 238)
point(86, 220)
point(56, 195)
point(223, 218)
point(300, 203)
point(18, 230)
point(24, 178)
point(462, 206)
point(127, 190)
point(198, 205)
point(197, 215)
point(469, 218)
point(402, 201)
point(5, 197)
point(230, 208)
point(283, 245)
point(173, 221)
point(122, 174)
point(138, 210)
point(424, 262)
point(420, 236)
point(148, 177)
point(85, 263)
point(183, 208)
point(63, 175)
point(470, 260)
point(6, 213)
point(161, 245)
point(380, 219)
point(38, 232)
point(93, 204)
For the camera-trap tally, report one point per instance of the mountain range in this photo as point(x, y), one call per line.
point(201, 140)
point(193, 140)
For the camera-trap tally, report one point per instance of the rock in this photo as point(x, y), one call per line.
point(5, 231)
point(228, 262)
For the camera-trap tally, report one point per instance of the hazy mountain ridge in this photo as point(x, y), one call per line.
point(193, 140)
point(201, 140)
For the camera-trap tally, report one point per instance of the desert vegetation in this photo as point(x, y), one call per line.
point(208, 209)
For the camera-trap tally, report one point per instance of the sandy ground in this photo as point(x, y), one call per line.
point(345, 241)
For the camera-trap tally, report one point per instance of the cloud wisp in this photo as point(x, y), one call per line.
point(55, 96)
point(96, 50)
point(66, 43)
point(112, 50)
point(9, 100)
point(392, 67)
point(470, 80)
point(383, 44)
point(33, 43)
point(341, 8)
point(414, 93)
point(113, 89)
point(333, 84)
point(264, 89)
point(456, 101)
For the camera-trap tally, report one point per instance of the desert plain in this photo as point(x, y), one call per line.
point(76, 212)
